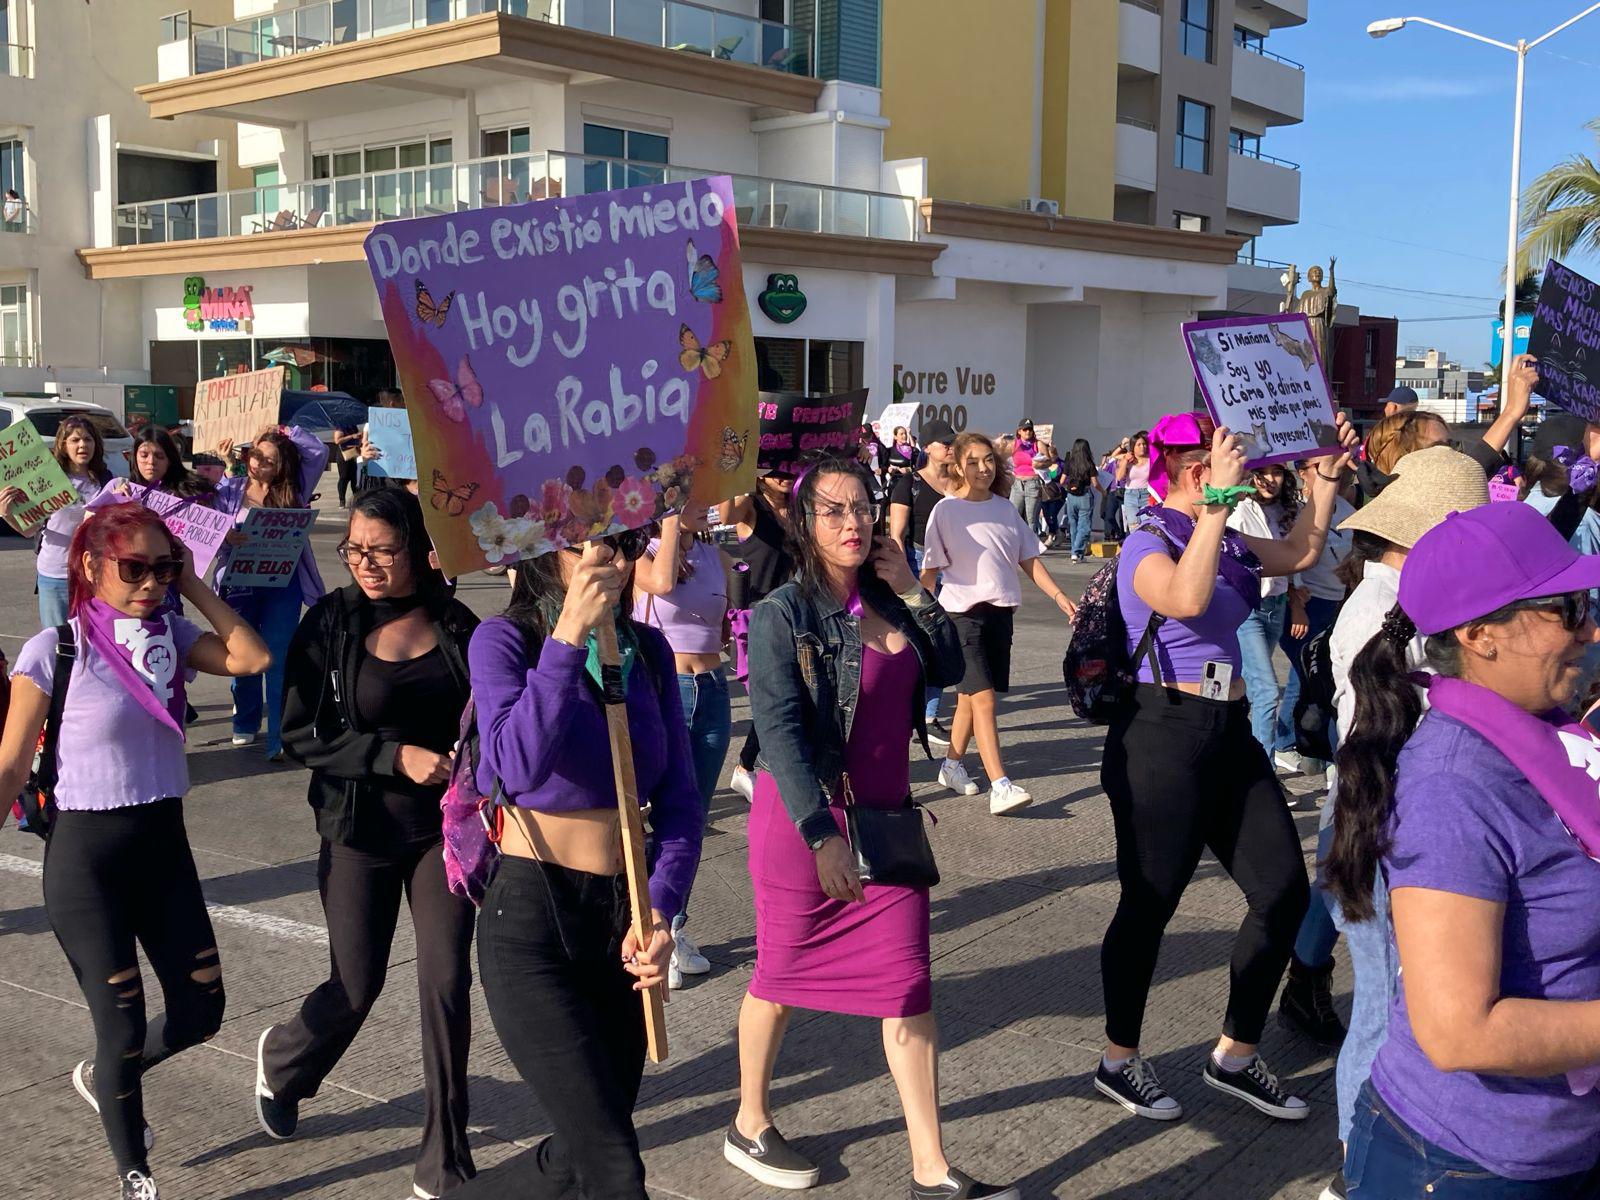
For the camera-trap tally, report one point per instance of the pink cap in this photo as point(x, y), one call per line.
point(1175, 431)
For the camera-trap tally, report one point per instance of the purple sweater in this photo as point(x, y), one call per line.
point(544, 736)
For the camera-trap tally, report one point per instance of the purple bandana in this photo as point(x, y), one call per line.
point(1237, 564)
point(143, 655)
point(1581, 469)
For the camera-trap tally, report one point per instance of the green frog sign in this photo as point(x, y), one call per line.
point(782, 301)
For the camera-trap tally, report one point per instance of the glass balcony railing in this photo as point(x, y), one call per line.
point(672, 24)
point(486, 182)
point(16, 61)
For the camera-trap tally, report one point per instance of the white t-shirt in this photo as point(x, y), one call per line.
point(1254, 519)
point(1320, 580)
point(977, 546)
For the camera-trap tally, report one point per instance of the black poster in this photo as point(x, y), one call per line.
point(1566, 341)
point(792, 424)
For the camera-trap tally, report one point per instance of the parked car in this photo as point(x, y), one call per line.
point(46, 416)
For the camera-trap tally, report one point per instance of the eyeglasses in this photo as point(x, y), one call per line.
point(1573, 608)
point(833, 516)
point(136, 570)
point(378, 556)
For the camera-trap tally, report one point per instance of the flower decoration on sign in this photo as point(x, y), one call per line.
point(506, 539)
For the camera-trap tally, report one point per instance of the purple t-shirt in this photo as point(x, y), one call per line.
point(1182, 647)
point(57, 533)
point(1466, 821)
point(691, 614)
point(112, 752)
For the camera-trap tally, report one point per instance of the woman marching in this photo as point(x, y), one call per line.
point(1133, 478)
point(976, 544)
point(376, 681)
point(281, 468)
point(840, 658)
point(1080, 481)
point(1483, 821)
point(1182, 768)
point(683, 591)
point(561, 966)
point(80, 452)
point(158, 463)
point(117, 870)
point(1267, 515)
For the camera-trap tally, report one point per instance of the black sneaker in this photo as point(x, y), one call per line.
point(1335, 1189)
point(1136, 1088)
point(83, 1083)
point(1257, 1087)
point(137, 1185)
point(958, 1185)
point(769, 1159)
point(938, 735)
point(1307, 1004)
point(278, 1118)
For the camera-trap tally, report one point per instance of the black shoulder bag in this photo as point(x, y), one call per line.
point(38, 799)
point(890, 844)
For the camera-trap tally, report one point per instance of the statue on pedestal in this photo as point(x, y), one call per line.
point(1319, 304)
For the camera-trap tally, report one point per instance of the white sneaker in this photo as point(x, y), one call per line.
point(954, 776)
point(744, 782)
point(674, 974)
point(686, 955)
point(1007, 797)
point(243, 739)
point(1288, 762)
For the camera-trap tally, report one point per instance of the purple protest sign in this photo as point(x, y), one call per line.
point(200, 528)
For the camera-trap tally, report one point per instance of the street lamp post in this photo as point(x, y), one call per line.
point(1384, 28)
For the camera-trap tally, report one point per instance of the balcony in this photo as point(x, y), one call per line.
point(1279, 14)
point(1264, 187)
point(1138, 39)
point(1136, 154)
point(1272, 86)
point(18, 219)
point(265, 66)
point(16, 61)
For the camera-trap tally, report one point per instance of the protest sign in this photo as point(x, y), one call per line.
point(1566, 341)
point(1044, 431)
point(236, 406)
point(573, 367)
point(1500, 489)
point(26, 462)
point(191, 522)
point(792, 423)
point(389, 429)
point(893, 418)
point(274, 538)
point(1262, 378)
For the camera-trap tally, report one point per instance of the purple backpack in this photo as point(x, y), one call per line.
point(471, 819)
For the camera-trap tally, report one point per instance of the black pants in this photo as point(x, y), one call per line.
point(1185, 774)
point(111, 879)
point(751, 750)
point(361, 894)
point(347, 477)
point(550, 953)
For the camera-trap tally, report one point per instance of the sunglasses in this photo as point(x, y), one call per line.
point(630, 545)
point(136, 570)
point(1572, 608)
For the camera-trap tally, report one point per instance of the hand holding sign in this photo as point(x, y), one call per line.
point(35, 485)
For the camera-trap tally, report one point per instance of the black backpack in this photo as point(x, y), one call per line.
point(1099, 672)
point(1314, 711)
point(36, 807)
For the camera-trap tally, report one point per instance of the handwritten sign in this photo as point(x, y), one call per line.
point(1262, 378)
point(200, 528)
point(573, 367)
point(792, 424)
point(1044, 431)
point(236, 406)
point(894, 417)
point(389, 429)
point(1566, 341)
point(270, 555)
point(1500, 490)
point(27, 463)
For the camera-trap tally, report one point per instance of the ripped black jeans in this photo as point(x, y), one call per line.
point(112, 878)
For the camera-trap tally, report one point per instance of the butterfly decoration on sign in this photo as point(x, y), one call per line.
point(449, 500)
point(454, 397)
point(732, 456)
point(430, 311)
point(709, 359)
point(703, 274)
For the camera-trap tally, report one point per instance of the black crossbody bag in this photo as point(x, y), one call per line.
point(890, 844)
point(38, 799)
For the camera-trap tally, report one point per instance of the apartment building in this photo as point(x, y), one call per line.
point(74, 138)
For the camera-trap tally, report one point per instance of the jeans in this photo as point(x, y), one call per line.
point(1386, 1160)
point(1080, 521)
point(1050, 516)
point(550, 955)
point(1025, 499)
point(710, 719)
point(1313, 946)
point(1319, 615)
point(275, 615)
point(1111, 514)
point(52, 602)
point(1377, 972)
point(361, 893)
point(111, 879)
point(1258, 637)
point(1134, 501)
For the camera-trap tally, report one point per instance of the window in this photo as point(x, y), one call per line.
point(174, 28)
point(1249, 39)
point(1194, 29)
point(268, 197)
point(514, 139)
point(16, 331)
point(396, 183)
point(604, 141)
point(815, 368)
point(11, 167)
point(1189, 222)
point(1241, 142)
point(1194, 136)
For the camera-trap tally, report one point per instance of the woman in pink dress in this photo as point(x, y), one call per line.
point(854, 634)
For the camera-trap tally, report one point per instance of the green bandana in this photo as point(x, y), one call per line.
point(627, 645)
point(1228, 496)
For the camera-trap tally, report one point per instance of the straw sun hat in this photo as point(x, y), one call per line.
point(1428, 486)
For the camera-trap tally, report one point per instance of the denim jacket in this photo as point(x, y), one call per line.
point(805, 679)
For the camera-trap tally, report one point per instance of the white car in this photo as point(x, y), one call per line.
point(46, 416)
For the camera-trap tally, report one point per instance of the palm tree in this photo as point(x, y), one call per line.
point(1561, 212)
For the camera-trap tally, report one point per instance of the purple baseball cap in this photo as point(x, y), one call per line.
point(1474, 562)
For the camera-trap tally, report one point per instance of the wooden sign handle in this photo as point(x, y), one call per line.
point(633, 857)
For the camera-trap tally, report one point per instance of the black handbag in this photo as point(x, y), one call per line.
point(890, 844)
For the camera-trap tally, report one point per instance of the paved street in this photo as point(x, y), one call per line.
point(1016, 930)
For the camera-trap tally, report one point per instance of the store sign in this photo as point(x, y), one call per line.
point(228, 309)
point(783, 301)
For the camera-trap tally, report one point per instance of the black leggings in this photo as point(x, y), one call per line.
point(1185, 774)
point(550, 954)
point(347, 477)
point(112, 878)
point(361, 892)
point(751, 750)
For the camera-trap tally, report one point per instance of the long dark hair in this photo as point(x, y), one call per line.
point(399, 510)
point(96, 468)
point(538, 593)
point(1080, 464)
point(284, 490)
point(178, 479)
point(802, 530)
point(1388, 708)
point(1365, 547)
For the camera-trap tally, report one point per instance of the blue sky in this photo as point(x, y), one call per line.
point(1406, 152)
